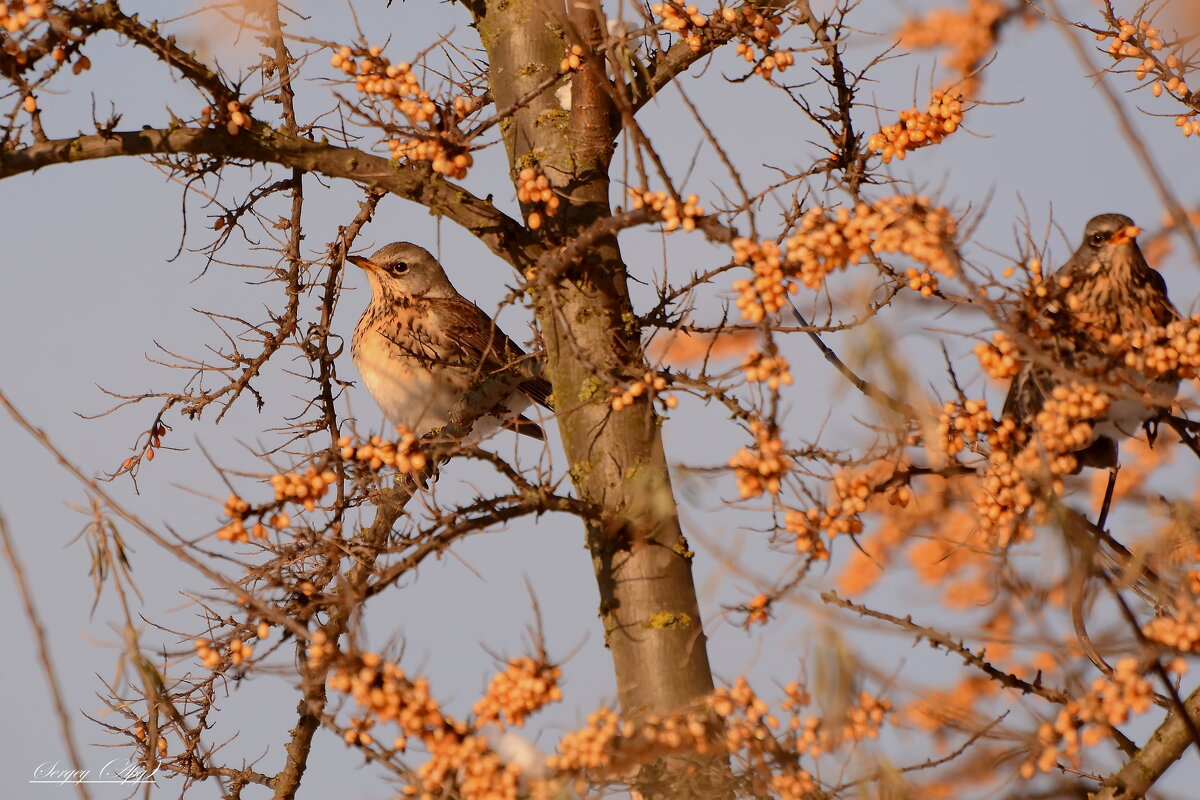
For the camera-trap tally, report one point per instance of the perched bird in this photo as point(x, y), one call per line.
point(420, 346)
point(1079, 319)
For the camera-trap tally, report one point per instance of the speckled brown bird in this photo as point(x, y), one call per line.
point(420, 346)
point(1105, 288)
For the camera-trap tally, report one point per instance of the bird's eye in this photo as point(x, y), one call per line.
point(1096, 239)
point(399, 268)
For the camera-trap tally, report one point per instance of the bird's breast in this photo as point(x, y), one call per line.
point(409, 390)
point(417, 391)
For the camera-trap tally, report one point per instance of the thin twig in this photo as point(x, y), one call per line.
point(873, 392)
point(43, 647)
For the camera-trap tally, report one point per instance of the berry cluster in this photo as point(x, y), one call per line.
point(208, 653)
point(236, 509)
point(533, 188)
point(765, 294)
point(404, 454)
point(235, 531)
point(469, 764)
point(1065, 423)
point(683, 20)
point(862, 721)
point(923, 233)
point(139, 732)
point(1020, 467)
point(382, 688)
point(1003, 495)
point(210, 656)
point(444, 158)
point(239, 651)
point(457, 756)
point(1000, 359)
point(573, 60)
point(376, 76)
point(851, 497)
point(772, 370)
point(969, 34)
point(759, 610)
point(825, 243)
point(762, 468)
point(306, 489)
point(1092, 717)
point(156, 437)
point(234, 117)
point(740, 698)
point(588, 747)
point(758, 31)
point(959, 426)
point(358, 732)
point(919, 128)
point(1127, 40)
point(524, 687)
point(320, 650)
point(16, 14)
point(1179, 631)
point(674, 214)
point(1173, 350)
point(612, 746)
point(1132, 41)
point(805, 526)
point(650, 382)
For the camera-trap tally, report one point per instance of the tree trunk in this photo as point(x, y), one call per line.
point(643, 568)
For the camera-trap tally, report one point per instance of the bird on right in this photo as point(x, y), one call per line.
point(1077, 325)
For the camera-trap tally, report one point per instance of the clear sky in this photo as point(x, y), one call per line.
point(95, 284)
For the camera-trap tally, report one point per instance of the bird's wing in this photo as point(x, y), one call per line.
point(486, 347)
point(1028, 391)
point(1026, 395)
point(1156, 280)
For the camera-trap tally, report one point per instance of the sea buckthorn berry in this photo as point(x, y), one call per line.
point(533, 189)
point(674, 214)
point(760, 469)
point(919, 129)
point(443, 158)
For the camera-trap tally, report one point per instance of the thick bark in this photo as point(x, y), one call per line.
point(1164, 748)
point(648, 598)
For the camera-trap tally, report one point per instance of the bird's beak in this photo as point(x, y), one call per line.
point(1124, 236)
point(364, 263)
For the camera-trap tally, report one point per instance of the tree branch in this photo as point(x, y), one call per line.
point(503, 235)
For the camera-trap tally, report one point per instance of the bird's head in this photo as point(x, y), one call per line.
point(1109, 242)
point(401, 269)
